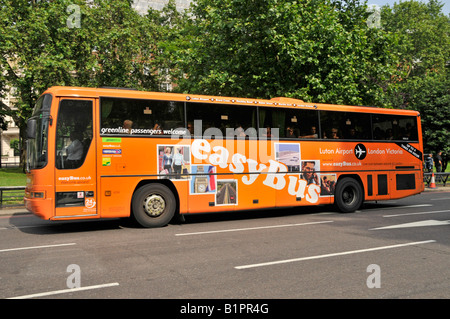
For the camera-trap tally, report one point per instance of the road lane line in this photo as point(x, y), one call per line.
point(442, 198)
point(409, 206)
point(36, 247)
point(419, 213)
point(332, 255)
point(251, 228)
point(64, 291)
point(422, 223)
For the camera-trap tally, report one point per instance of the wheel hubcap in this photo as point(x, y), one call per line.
point(348, 195)
point(154, 205)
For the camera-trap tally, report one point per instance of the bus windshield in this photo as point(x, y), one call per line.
point(37, 140)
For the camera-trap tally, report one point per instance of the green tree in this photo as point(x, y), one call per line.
point(305, 49)
point(423, 32)
point(167, 27)
point(430, 96)
point(123, 47)
point(424, 51)
point(36, 49)
point(72, 42)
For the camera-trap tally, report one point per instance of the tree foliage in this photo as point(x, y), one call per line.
point(424, 49)
point(74, 43)
point(430, 96)
point(44, 45)
point(312, 50)
point(423, 31)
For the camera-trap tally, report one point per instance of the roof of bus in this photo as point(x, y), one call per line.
point(68, 91)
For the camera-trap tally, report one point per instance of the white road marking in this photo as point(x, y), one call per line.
point(332, 255)
point(419, 213)
point(35, 247)
point(64, 291)
point(442, 198)
point(251, 228)
point(422, 223)
point(410, 206)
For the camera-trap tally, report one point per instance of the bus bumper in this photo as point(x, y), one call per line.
point(39, 207)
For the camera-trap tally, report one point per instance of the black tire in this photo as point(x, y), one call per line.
point(153, 205)
point(349, 195)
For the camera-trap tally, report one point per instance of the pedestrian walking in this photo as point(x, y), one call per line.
point(444, 162)
point(438, 162)
point(429, 163)
point(438, 165)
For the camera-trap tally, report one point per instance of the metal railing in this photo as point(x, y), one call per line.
point(11, 195)
point(439, 178)
point(8, 164)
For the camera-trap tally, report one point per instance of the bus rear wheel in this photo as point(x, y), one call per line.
point(153, 205)
point(348, 195)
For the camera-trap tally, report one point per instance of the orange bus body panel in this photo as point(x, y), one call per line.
point(243, 174)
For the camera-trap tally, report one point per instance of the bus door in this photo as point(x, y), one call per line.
point(75, 162)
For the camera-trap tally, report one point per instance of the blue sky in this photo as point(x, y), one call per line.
point(445, 8)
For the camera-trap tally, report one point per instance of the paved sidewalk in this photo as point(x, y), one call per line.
point(13, 210)
point(438, 188)
point(21, 210)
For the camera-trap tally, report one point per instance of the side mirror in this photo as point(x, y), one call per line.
point(31, 128)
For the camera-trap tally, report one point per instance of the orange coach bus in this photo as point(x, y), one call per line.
point(110, 152)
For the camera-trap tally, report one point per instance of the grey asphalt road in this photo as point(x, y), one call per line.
point(393, 249)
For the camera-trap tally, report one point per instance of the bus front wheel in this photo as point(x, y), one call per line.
point(153, 205)
point(348, 195)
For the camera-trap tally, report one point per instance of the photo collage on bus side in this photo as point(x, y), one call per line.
point(174, 162)
point(301, 178)
point(289, 154)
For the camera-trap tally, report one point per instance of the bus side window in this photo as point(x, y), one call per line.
point(347, 125)
point(272, 122)
point(222, 120)
point(394, 127)
point(140, 117)
point(308, 122)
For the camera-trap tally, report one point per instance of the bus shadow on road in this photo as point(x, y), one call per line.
point(367, 206)
point(45, 227)
point(35, 226)
point(281, 212)
point(198, 218)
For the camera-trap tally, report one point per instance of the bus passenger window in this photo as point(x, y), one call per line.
point(347, 125)
point(272, 122)
point(141, 117)
point(394, 127)
point(313, 133)
point(308, 123)
point(222, 120)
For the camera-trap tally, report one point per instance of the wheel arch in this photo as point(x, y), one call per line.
point(165, 182)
